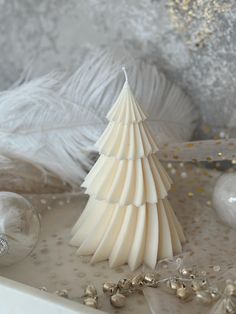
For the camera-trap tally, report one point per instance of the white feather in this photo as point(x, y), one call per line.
point(53, 121)
point(38, 125)
point(22, 176)
point(99, 81)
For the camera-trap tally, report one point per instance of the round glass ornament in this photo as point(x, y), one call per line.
point(19, 228)
point(224, 198)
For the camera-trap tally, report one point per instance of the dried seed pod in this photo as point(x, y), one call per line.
point(91, 302)
point(109, 288)
point(118, 300)
point(137, 281)
point(204, 296)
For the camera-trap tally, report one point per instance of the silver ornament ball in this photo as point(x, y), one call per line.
point(224, 198)
point(19, 228)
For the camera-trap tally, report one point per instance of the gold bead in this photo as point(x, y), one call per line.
point(186, 271)
point(183, 292)
point(173, 284)
point(215, 294)
point(230, 289)
point(151, 278)
point(204, 284)
point(204, 296)
point(62, 293)
point(109, 288)
point(118, 300)
point(137, 281)
point(198, 285)
point(230, 305)
point(91, 302)
point(195, 285)
point(90, 291)
point(124, 285)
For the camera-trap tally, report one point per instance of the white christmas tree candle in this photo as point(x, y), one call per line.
point(128, 218)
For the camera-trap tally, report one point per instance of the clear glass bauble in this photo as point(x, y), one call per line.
point(19, 228)
point(224, 198)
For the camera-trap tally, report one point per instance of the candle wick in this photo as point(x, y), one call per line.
point(125, 73)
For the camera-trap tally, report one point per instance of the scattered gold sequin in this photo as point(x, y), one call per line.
point(190, 194)
point(185, 13)
point(183, 175)
point(216, 268)
point(190, 145)
point(200, 190)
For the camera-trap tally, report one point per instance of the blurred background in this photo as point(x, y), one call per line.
point(192, 42)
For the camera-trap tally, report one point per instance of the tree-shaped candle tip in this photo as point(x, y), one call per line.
point(125, 73)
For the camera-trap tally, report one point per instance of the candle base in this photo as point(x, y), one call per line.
point(128, 234)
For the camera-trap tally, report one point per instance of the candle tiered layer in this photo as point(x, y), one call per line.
point(128, 218)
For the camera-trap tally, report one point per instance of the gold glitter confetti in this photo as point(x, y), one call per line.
point(196, 19)
point(216, 268)
point(189, 145)
point(190, 194)
point(200, 190)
